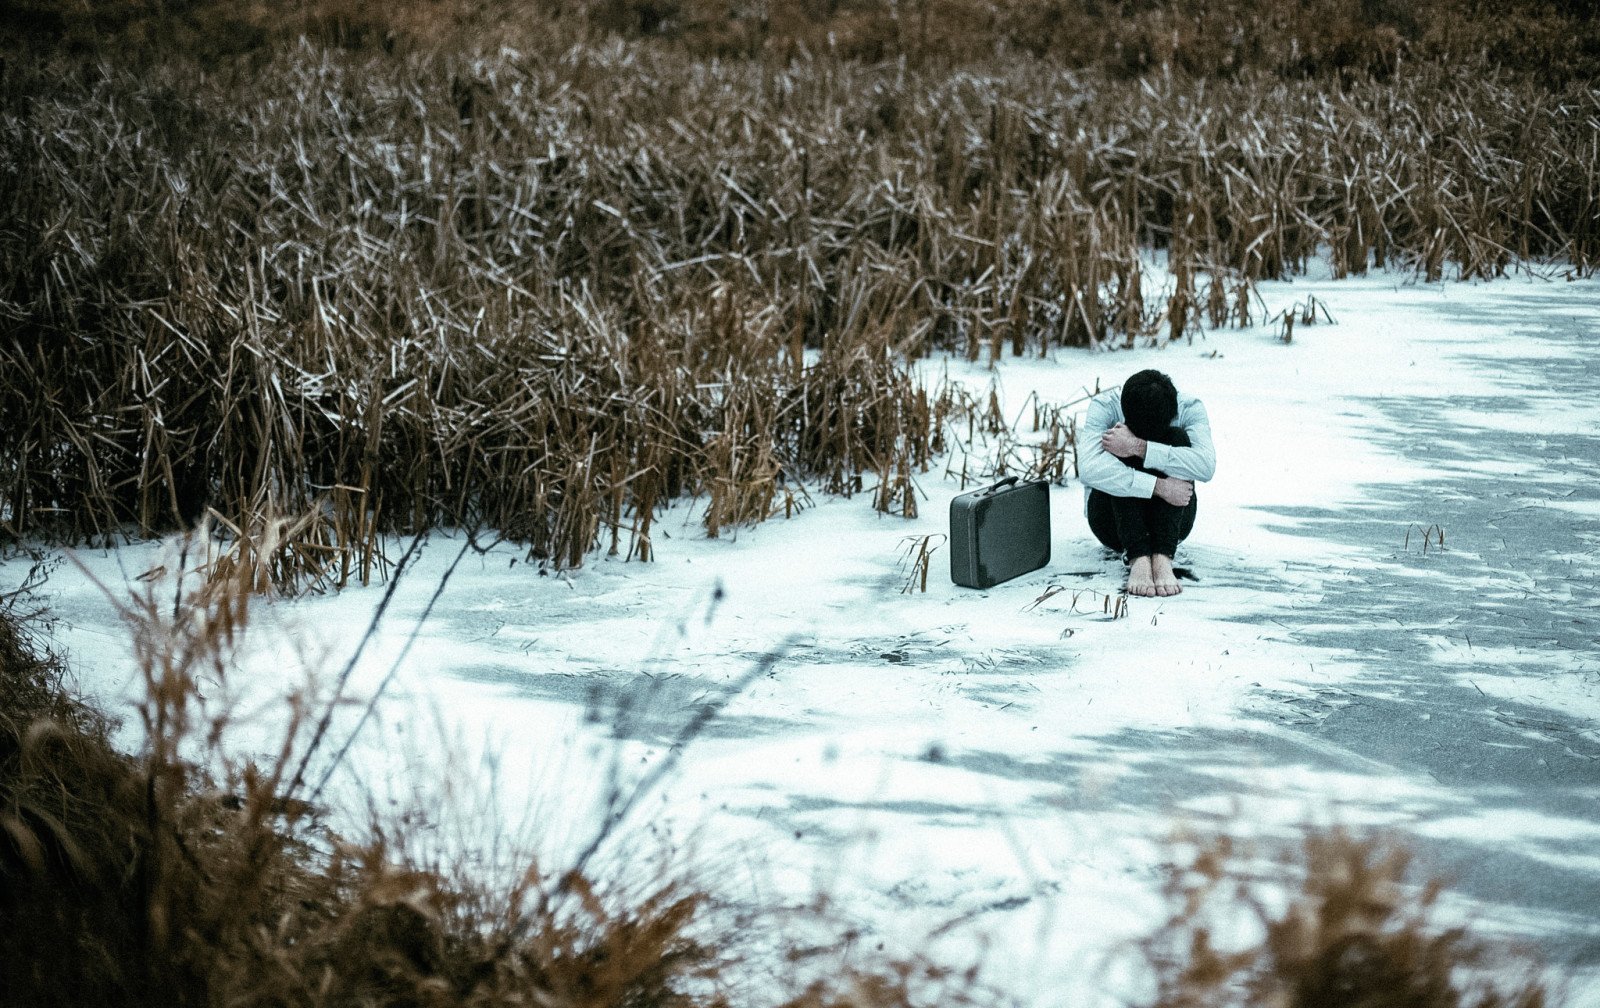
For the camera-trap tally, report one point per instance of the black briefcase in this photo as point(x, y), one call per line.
point(999, 532)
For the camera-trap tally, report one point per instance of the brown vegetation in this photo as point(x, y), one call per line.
point(1353, 932)
point(143, 880)
point(1552, 41)
point(547, 286)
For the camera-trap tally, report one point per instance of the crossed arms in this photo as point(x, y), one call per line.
point(1109, 441)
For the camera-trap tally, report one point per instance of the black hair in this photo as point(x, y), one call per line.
point(1149, 405)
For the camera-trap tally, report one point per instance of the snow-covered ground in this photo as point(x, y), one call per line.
point(1002, 769)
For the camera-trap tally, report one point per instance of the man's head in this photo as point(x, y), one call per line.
point(1149, 404)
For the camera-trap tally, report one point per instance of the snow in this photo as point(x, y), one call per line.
point(985, 774)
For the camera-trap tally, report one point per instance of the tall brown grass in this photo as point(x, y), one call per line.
point(1550, 40)
point(550, 286)
point(148, 878)
point(1553, 41)
point(1355, 930)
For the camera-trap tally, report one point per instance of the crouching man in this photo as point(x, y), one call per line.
point(1146, 449)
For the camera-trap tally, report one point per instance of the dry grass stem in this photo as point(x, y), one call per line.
point(383, 291)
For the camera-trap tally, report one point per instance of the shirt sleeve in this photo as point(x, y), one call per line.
point(1198, 462)
point(1098, 468)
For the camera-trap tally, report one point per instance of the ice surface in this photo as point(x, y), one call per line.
point(1001, 773)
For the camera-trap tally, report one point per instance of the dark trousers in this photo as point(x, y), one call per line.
point(1142, 526)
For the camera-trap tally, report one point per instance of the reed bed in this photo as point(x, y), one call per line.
point(1555, 41)
point(550, 286)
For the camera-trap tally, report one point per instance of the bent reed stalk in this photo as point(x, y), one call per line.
point(550, 288)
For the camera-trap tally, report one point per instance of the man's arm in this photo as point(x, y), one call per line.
point(1101, 470)
point(1198, 462)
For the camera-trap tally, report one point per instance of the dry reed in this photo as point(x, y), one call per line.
point(1353, 932)
point(916, 561)
point(144, 879)
point(550, 286)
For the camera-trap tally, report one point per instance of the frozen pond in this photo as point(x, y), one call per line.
point(1012, 764)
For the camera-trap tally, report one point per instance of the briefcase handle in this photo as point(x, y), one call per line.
point(1001, 485)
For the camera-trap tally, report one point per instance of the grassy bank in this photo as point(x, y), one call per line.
point(473, 268)
point(1551, 41)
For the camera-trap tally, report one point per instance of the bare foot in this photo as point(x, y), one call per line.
point(1140, 581)
point(1166, 582)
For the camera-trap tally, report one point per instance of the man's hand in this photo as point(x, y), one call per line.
point(1176, 492)
point(1121, 442)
